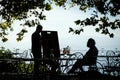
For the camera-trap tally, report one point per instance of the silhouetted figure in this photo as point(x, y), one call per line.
point(88, 59)
point(37, 43)
point(36, 48)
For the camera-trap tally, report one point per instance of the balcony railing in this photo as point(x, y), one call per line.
point(109, 63)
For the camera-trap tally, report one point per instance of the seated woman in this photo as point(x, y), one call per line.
point(88, 59)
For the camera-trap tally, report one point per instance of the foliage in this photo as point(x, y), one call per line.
point(8, 63)
point(5, 53)
point(107, 9)
point(6, 66)
point(23, 67)
point(11, 10)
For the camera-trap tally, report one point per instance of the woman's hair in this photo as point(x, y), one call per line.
point(91, 41)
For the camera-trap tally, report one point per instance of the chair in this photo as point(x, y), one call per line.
point(92, 66)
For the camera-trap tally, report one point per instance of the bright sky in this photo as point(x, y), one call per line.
point(60, 20)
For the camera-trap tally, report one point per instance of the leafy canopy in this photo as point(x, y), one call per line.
point(102, 23)
point(11, 10)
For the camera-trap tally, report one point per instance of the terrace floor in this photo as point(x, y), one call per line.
point(89, 75)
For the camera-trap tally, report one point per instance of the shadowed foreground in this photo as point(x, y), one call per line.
point(90, 75)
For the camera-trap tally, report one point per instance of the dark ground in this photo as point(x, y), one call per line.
point(90, 75)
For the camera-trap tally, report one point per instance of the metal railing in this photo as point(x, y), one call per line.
point(106, 64)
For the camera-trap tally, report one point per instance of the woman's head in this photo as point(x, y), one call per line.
point(91, 42)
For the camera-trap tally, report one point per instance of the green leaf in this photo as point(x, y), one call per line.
point(97, 29)
point(4, 39)
point(48, 7)
point(83, 8)
point(77, 22)
point(0, 34)
point(19, 38)
point(71, 30)
point(81, 30)
point(111, 35)
point(24, 31)
point(77, 32)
